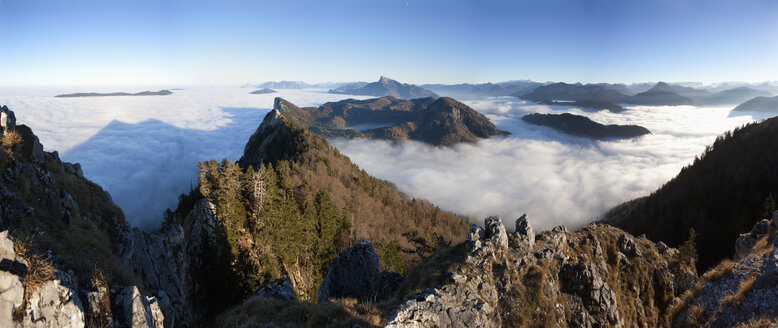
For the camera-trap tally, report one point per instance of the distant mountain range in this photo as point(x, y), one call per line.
point(759, 104)
point(293, 85)
point(467, 90)
point(592, 104)
point(114, 94)
point(262, 91)
point(385, 87)
point(661, 94)
point(584, 127)
point(437, 121)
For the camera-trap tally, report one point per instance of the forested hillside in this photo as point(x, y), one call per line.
point(720, 195)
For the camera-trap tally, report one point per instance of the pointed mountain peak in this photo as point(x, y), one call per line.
point(385, 80)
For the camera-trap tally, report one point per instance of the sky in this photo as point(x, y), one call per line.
point(167, 42)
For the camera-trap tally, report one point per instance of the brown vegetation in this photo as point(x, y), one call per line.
point(10, 139)
point(39, 270)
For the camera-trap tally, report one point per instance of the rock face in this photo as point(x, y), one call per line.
point(596, 277)
point(138, 311)
point(356, 272)
point(169, 262)
point(57, 303)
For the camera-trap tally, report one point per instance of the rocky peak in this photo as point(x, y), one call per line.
point(595, 277)
point(7, 120)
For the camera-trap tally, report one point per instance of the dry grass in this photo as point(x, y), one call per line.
point(264, 312)
point(737, 299)
point(759, 323)
point(10, 139)
point(39, 270)
point(102, 316)
point(725, 267)
point(433, 271)
point(366, 311)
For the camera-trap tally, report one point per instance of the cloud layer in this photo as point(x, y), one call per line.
point(554, 178)
point(144, 151)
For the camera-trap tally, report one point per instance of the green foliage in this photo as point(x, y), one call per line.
point(768, 207)
point(391, 255)
point(687, 252)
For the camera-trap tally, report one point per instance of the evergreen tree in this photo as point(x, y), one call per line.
point(768, 207)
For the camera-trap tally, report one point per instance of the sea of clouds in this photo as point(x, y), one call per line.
point(145, 150)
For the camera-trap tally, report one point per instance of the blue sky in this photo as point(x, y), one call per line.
point(75, 42)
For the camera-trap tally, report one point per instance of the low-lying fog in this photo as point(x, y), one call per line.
point(144, 151)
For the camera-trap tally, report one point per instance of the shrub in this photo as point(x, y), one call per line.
point(39, 270)
point(10, 139)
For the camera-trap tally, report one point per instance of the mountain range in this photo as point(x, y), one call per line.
point(661, 94)
point(385, 87)
point(114, 94)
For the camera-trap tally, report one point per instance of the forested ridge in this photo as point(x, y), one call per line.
point(720, 195)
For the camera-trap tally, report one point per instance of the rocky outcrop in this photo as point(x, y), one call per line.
point(7, 120)
point(740, 292)
point(137, 311)
point(596, 277)
point(745, 243)
point(356, 272)
point(279, 288)
point(168, 262)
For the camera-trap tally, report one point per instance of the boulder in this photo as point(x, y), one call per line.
point(55, 304)
point(279, 288)
point(475, 237)
point(355, 273)
point(598, 298)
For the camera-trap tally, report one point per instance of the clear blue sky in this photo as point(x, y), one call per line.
point(71, 42)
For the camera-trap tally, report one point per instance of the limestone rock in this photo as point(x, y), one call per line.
point(11, 294)
point(7, 120)
point(355, 273)
point(55, 304)
point(136, 310)
point(627, 245)
point(279, 288)
point(495, 232)
point(524, 232)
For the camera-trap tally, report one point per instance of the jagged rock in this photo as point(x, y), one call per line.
point(598, 298)
point(475, 237)
point(279, 288)
point(55, 304)
point(450, 306)
point(99, 307)
point(7, 120)
point(627, 246)
point(355, 273)
point(137, 311)
point(73, 168)
point(524, 234)
point(495, 232)
point(746, 241)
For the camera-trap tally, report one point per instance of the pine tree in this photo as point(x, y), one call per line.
point(687, 252)
point(768, 207)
